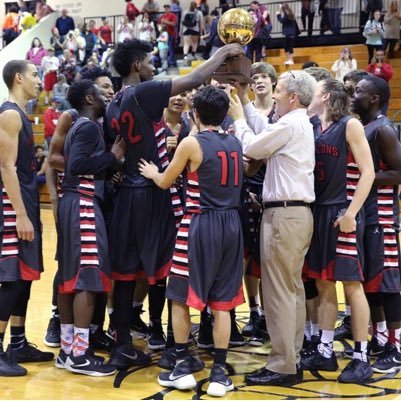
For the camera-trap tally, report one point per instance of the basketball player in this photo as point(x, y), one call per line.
point(343, 178)
point(143, 226)
point(20, 227)
point(99, 340)
point(84, 267)
point(265, 78)
point(381, 240)
point(208, 257)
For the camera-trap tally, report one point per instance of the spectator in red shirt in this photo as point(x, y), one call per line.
point(131, 11)
point(105, 34)
point(50, 117)
point(379, 68)
point(169, 21)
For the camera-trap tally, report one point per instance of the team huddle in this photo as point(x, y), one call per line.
point(163, 194)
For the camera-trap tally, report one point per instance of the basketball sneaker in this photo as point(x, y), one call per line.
point(249, 330)
point(219, 382)
point(236, 338)
point(374, 348)
point(53, 332)
point(389, 361)
point(343, 331)
point(8, 366)
point(205, 336)
point(137, 325)
point(356, 371)
point(169, 359)
point(156, 338)
point(62, 357)
point(88, 364)
point(180, 377)
point(30, 353)
point(126, 355)
point(101, 341)
point(261, 337)
point(319, 362)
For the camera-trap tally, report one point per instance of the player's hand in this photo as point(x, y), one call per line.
point(25, 230)
point(171, 143)
point(119, 147)
point(236, 111)
point(373, 60)
point(242, 91)
point(232, 50)
point(116, 178)
point(148, 170)
point(347, 223)
point(254, 202)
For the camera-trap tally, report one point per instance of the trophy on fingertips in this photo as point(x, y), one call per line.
point(235, 26)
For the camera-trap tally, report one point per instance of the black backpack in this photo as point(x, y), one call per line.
point(189, 20)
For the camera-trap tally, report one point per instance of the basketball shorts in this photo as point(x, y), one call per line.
point(334, 255)
point(207, 265)
point(382, 259)
point(83, 248)
point(142, 234)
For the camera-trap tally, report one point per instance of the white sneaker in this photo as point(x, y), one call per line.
point(288, 62)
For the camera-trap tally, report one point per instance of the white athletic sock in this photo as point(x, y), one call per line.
point(325, 347)
point(308, 330)
point(315, 329)
point(81, 341)
point(67, 337)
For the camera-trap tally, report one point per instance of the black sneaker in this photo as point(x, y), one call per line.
point(356, 371)
point(219, 382)
point(319, 362)
point(249, 330)
point(29, 353)
point(374, 348)
point(205, 337)
point(310, 347)
point(88, 364)
point(180, 378)
point(125, 356)
point(53, 332)
point(259, 339)
point(99, 340)
point(236, 338)
point(157, 338)
point(343, 331)
point(62, 358)
point(8, 366)
point(111, 332)
point(137, 325)
point(169, 359)
point(389, 361)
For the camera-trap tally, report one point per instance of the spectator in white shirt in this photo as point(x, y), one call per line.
point(286, 229)
point(344, 64)
point(50, 64)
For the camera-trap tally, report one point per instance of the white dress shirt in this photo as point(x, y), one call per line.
point(289, 149)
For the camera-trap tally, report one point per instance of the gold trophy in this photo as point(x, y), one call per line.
point(235, 26)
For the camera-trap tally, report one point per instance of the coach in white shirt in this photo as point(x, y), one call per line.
point(286, 229)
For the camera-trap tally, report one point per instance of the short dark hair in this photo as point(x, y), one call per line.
point(309, 64)
point(13, 9)
point(93, 73)
point(127, 53)
point(319, 73)
point(355, 76)
point(378, 86)
point(13, 67)
point(262, 67)
point(212, 105)
point(77, 92)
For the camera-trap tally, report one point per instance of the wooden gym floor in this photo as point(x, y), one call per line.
point(46, 382)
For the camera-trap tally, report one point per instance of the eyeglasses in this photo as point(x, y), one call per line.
point(291, 74)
